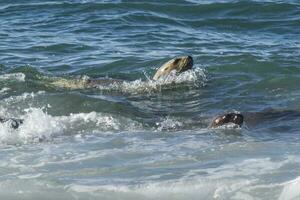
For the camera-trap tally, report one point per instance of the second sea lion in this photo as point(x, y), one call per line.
point(233, 118)
point(255, 119)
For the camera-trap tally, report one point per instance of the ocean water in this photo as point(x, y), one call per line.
point(145, 139)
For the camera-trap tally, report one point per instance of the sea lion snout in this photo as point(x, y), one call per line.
point(234, 118)
point(178, 64)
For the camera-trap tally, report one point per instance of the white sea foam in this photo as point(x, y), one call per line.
point(12, 106)
point(13, 76)
point(291, 190)
point(39, 126)
point(22, 97)
point(180, 189)
point(230, 181)
point(169, 124)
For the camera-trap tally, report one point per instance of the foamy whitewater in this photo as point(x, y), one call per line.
point(130, 137)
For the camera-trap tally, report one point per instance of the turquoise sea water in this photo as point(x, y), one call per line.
point(145, 139)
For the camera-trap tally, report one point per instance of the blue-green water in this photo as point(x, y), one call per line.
point(146, 139)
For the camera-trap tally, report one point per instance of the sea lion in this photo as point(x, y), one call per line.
point(14, 123)
point(178, 64)
point(233, 118)
point(254, 119)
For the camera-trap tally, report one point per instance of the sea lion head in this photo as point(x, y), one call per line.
point(234, 118)
point(179, 64)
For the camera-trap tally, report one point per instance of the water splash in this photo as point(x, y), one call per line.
point(40, 126)
point(196, 76)
point(169, 124)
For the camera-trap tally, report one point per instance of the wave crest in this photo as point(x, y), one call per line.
point(40, 126)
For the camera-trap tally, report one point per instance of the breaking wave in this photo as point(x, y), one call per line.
point(40, 126)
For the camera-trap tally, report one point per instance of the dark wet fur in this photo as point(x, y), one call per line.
point(224, 119)
point(254, 119)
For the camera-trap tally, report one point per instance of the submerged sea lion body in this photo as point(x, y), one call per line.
point(254, 119)
point(70, 83)
point(83, 83)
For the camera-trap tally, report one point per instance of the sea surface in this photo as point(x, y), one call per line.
point(140, 138)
